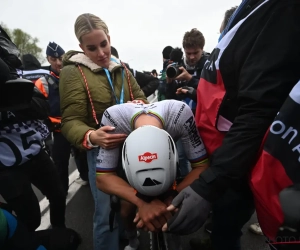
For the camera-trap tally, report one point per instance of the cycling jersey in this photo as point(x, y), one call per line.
point(19, 140)
point(176, 118)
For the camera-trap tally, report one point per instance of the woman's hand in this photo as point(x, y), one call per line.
point(106, 140)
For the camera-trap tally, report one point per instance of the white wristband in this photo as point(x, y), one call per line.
point(89, 141)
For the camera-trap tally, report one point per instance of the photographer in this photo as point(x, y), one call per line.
point(189, 67)
point(22, 160)
point(184, 72)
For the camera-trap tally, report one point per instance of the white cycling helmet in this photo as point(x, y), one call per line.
point(150, 160)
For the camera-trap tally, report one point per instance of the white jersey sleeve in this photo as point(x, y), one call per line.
point(180, 124)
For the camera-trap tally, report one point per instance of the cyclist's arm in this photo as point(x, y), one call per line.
point(108, 159)
point(112, 184)
point(192, 176)
point(107, 179)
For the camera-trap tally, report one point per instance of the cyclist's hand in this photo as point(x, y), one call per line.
point(192, 214)
point(152, 215)
point(139, 223)
point(106, 140)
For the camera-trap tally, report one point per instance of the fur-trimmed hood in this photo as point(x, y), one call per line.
point(74, 57)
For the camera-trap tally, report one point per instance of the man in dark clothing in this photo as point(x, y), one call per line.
point(242, 87)
point(147, 82)
point(61, 148)
point(193, 63)
point(22, 159)
point(48, 86)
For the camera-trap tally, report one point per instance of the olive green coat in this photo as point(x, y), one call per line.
point(75, 104)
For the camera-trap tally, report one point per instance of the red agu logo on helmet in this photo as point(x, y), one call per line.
point(148, 157)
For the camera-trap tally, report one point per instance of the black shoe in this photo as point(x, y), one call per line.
point(208, 227)
point(200, 244)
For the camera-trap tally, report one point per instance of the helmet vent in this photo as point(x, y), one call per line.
point(172, 145)
point(124, 150)
point(149, 169)
point(151, 182)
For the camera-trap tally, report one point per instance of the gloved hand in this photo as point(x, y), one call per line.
point(191, 215)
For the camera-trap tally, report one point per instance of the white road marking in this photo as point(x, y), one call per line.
point(44, 203)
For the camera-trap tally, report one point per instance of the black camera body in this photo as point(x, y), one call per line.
point(173, 70)
point(16, 94)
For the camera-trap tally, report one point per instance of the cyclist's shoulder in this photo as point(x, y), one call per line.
point(119, 108)
point(173, 105)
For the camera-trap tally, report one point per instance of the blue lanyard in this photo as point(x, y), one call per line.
point(121, 101)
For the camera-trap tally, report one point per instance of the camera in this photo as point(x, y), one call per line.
point(173, 71)
point(177, 62)
point(15, 94)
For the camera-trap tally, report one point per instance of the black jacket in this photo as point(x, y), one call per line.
point(173, 86)
point(30, 62)
point(259, 68)
point(147, 82)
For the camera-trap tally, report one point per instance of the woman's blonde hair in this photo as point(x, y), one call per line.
point(86, 23)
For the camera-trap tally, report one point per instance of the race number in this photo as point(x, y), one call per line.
point(17, 148)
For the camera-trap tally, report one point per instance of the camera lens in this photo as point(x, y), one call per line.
point(171, 72)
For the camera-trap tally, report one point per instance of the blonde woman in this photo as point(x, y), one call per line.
point(90, 82)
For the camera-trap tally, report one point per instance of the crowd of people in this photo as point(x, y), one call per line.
point(225, 123)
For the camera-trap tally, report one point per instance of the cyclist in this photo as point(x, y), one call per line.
point(150, 146)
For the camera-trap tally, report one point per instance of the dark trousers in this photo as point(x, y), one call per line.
point(230, 213)
point(80, 157)
point(15, 188)
point(61, 151)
